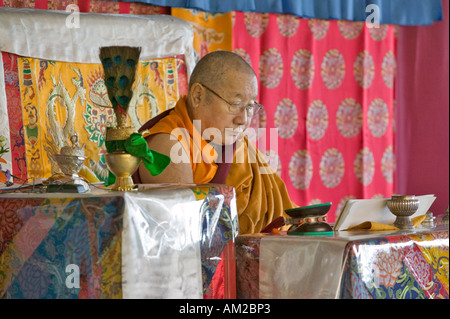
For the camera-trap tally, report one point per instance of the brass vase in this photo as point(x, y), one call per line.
point(403, 206)
point(123, 166)
point(120, 163)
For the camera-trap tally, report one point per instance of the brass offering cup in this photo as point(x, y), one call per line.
point(403, 206)
point(123, 166)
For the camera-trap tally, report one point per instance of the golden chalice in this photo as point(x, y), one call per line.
point(123, 166)
point(120, 163)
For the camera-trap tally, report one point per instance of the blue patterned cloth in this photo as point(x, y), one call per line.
point(400, 12)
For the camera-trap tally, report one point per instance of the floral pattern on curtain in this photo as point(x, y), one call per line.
point(328, 92)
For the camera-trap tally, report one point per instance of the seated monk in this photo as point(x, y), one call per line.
point(203, 135)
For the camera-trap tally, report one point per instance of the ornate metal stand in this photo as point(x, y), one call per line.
point(309, 221)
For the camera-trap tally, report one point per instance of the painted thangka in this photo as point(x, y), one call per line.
point(24, 145)
point(328, 93)
point(47, 100)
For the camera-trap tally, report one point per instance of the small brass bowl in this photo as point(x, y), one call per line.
point(123, 166)
point(403, 206)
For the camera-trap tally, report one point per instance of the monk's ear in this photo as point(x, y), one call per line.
point(197, 94)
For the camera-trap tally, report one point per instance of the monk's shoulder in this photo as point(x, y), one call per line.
point(179, 169)
point(161, 142)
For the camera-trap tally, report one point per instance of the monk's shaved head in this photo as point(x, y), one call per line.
point(213, 67)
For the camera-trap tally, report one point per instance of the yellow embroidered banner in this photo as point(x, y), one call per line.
point(59, 99)
point(212, 31)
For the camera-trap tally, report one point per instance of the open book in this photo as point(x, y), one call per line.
point(357, 211)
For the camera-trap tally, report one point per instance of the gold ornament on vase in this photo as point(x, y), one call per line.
point(119, 65)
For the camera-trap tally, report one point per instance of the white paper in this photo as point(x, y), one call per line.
point(357, 211)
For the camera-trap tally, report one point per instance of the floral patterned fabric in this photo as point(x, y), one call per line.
point(41, 235)
point(327, 88)
point(403, 267)
point(414, 266)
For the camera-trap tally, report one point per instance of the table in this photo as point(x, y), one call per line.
point(356, 265)
point(164, 241)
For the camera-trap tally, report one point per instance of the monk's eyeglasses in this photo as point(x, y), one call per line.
point(236, 108)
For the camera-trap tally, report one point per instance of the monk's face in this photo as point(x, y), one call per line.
point(222, 113)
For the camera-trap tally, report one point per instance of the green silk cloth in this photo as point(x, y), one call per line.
point(137, 146)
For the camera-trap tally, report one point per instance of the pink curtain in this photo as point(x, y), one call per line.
point(423, 111)
point(328, 88)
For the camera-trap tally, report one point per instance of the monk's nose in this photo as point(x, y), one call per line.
point(242, 118)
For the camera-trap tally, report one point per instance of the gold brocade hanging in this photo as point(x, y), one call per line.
point(60, 98)
point(212, 31)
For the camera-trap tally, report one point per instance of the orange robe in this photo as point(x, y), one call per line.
point(201, 155)
point(261, 195)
